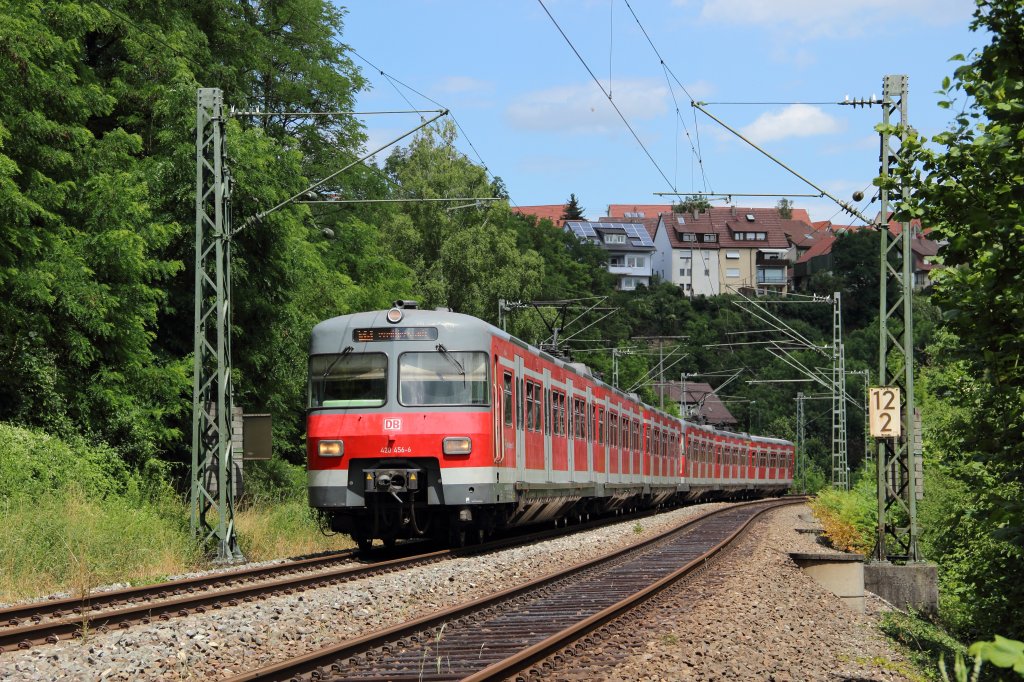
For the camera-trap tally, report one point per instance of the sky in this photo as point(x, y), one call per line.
point(531, 111)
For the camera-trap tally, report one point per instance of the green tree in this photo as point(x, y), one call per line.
point(785, 207)
point(572, 209)
point(692, 204)
point(968, 188)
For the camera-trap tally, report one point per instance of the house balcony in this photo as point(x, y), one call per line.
point(626, 271)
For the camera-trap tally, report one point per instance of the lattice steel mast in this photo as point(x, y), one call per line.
point(897, 475)
point(840, 462)
point(212, 491)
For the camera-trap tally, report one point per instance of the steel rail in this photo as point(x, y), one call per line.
point(568, 636)
point(73, 617)
point(404, 638)
point(58, 608)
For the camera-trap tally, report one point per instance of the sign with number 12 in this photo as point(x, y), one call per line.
point(884, 412)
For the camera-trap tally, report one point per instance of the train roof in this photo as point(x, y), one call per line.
point(332, 335)
point(325, 335)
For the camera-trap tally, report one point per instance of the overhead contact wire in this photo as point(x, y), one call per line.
point(668, 70)
point(607, 94)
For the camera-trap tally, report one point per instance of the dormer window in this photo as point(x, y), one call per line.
point(615, 239)
point(738, 236)
point(688, 237)
point(710, 237)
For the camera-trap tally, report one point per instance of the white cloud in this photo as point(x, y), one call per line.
point(796, 120)
point(459, 85)
point(814, 19)
point(585, 109)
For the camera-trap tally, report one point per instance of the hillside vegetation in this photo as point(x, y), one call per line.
point(97, 172)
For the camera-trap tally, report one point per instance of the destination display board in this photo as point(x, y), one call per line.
point(370, 334)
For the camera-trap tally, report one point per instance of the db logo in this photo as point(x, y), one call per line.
point(393, 424)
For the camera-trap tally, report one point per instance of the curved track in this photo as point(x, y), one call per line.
point(494, 637)
point(47, 622)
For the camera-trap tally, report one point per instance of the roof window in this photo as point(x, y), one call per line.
point(750, 217)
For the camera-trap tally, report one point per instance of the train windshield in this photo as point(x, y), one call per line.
point(348, 379)
point(443, 378)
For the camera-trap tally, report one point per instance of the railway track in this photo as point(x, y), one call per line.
point(496, 636)
point(48, 622)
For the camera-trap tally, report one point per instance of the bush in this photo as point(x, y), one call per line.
point(33, 464)
point(76, 517)
point(68, 540)
point(927, 643)
point(849, 517)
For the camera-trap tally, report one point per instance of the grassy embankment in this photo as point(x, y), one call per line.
point(75, 517)
point(849, 520)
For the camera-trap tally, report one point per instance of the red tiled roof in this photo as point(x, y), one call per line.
point(798, 232)
point(649, 210)
point(724, 222)
point(712, 410)
point(800, 214)
point(552, 212)
point(821, 246)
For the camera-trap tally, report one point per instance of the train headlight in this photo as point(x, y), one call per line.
point(395, 315)
point(461, 445)
point(331, 448)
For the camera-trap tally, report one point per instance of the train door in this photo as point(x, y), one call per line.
point(591, 408)
point(520, 433)
point(559, 432)
point(615, 454)
point(579, 445)
point(533, 435)
point(549, 432)
point(507, 416)
point(571, 442)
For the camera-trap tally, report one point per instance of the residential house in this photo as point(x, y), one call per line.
point(629, 247)
point(701, 405)
point(645, 211)
point(723, 250)
point(818, 258)
point(552, 212)
point(687, 253)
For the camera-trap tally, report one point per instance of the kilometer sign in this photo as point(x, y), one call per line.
point(884, 412)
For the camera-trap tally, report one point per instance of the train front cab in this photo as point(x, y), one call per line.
point(399, 430)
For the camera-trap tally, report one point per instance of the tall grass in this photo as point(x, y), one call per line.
point(74, 518)
point(849, 517)
point(68, 541)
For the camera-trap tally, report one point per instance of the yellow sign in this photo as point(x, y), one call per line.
point(884, 412)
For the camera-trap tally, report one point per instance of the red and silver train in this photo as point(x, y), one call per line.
point(427, 423)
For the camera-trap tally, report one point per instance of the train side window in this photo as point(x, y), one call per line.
point(519, 404)
point(600, 424)
point(528, 405)
point(579, 418)
point(591, 432)
point(547, 410)
point(563, 419)
point(507, 398)
point(533, 406)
